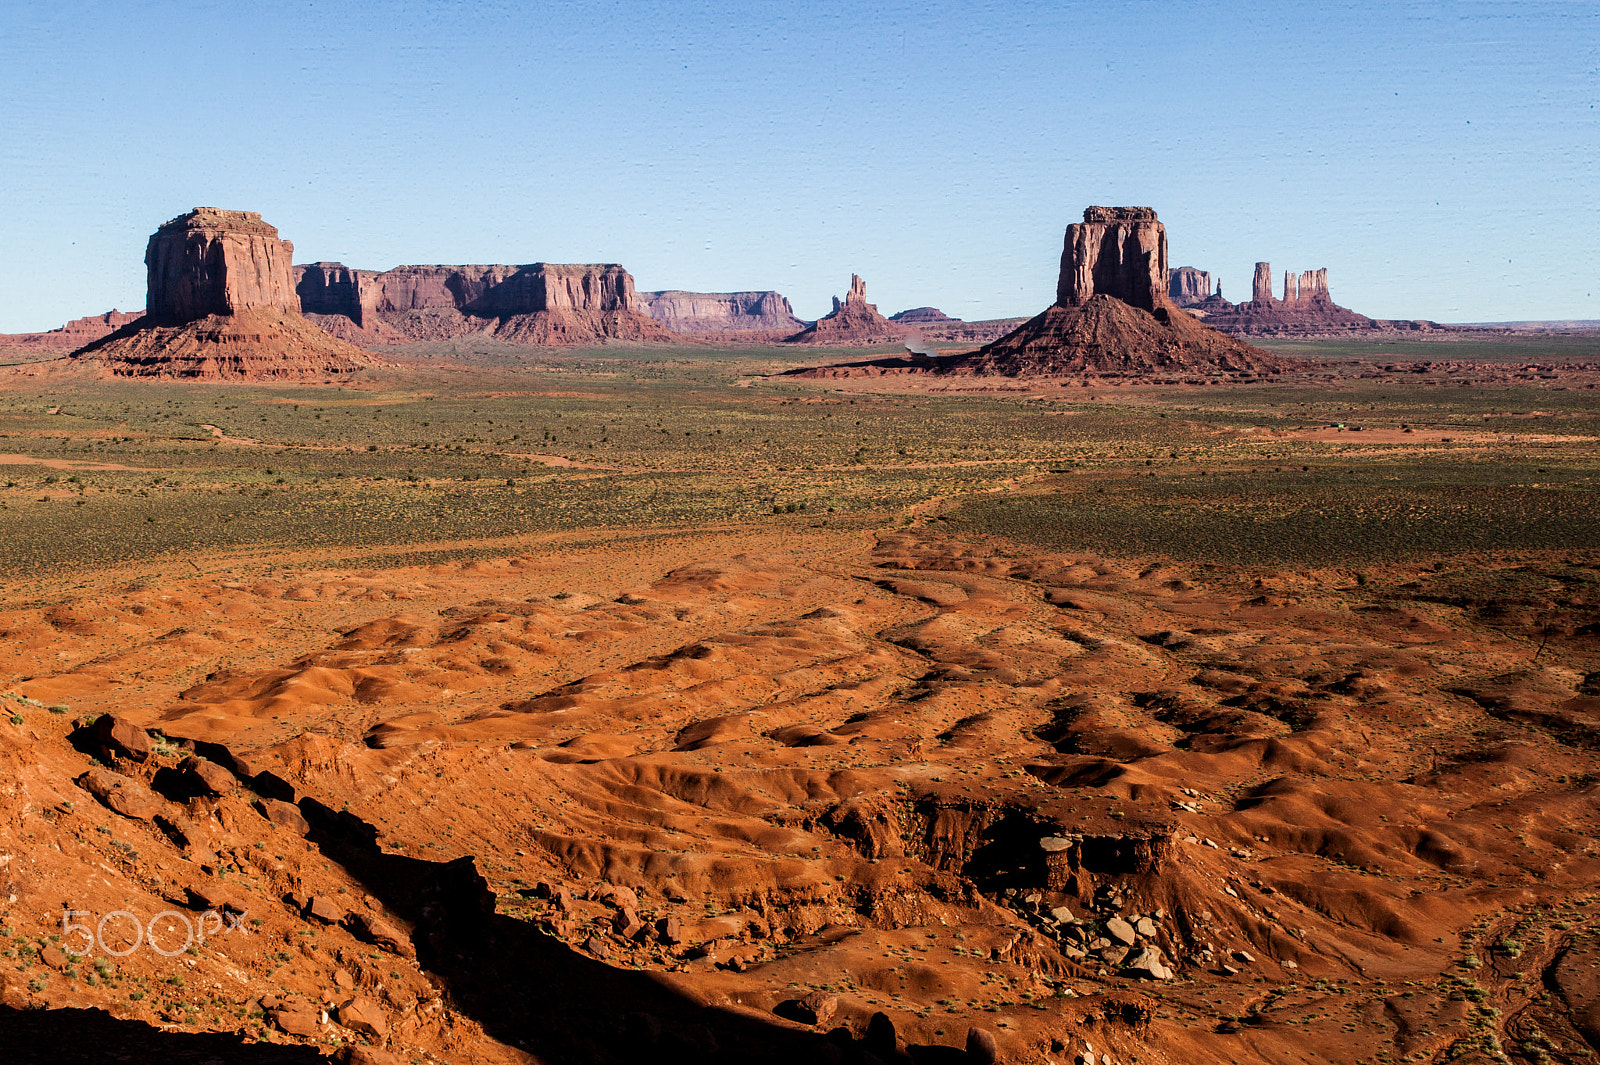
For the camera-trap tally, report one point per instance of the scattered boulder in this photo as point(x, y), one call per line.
point(816, 1008)
point(364, 1016)
point(982, 1049)
point(205, 777)
point(1121, 931)
point(284, 814)
point(380, 933)
point(324, 909)
point(297, 1019)
point(125, 795)
point(121, 738)
point(1147, 962)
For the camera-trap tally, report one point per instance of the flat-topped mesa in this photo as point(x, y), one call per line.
point(721, 312)
point(1115, 251)
point(1188, 285)
point(221, 305)
point(211, 261)
point(574, 302)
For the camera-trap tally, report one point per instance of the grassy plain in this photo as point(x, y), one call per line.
point(444, 458)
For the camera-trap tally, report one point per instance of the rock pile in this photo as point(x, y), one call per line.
point(221, 303)
point(538, 303)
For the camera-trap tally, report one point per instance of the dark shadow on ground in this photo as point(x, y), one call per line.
point(68, 1036)
point(530, 990)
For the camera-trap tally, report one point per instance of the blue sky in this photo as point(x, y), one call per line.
point(1442, 160)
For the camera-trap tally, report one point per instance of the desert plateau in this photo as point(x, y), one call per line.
point(499, 664)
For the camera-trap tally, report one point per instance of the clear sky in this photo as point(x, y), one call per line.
point(1442, 160)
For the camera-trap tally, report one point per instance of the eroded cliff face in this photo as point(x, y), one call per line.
point(1119, 252)
point(221, 305)
point(211, 261)
point(1188, 285)
point(1306, 309)
point(720, 312)
point(1113, 315)
point(579, 302)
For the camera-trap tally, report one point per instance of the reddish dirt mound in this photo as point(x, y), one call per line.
point(259, 344)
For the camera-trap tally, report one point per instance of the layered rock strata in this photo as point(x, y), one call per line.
point(1113, 315)
point(721, 312)
point(75, 334)
point(1188, 285)
point(537, 303)
point(853, 323)
point(221, 304)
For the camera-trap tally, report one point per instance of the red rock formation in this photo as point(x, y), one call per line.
point(921, 316)
point(217, 262)
point(721, 312)
point(1188, 285)
point(75, 334)
point(1112, 317)
point(1261, 285)
point(222, 304)
point(853, 323)
point(1115, 251)
point(541, 303)
point(1306, 309)
point(1112, 314)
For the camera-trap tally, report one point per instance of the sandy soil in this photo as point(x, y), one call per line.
point(634, 800)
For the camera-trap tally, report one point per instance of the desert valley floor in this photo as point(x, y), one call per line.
point(637, 704)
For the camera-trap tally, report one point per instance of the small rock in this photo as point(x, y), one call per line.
point(1114, 955)
point(364, 1016)
point(284, 814)
point(670, 930)
point(1051, 844)
point(343, 980)
point(296, 1020)
point(206, 777)
point(1244, 956)
point(125, 795)
point(324, 909)
point(380, 933)
point(1229, 970)
point(618, 896)
point(1121, 931)
point(981, 1047)
point(1062, 914)
point(1145, 927)
point(1230, 890)
point(1288, 963)
point(817, 1008)
point(122, 738)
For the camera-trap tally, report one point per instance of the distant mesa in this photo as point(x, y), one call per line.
point(853, 323)
point(1189, 285)
point(537, 303)
point(721, 312)
point(75, 334)
point(1113, 317)
point(1305, 310)
point(221, 304)
point(923, 316)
